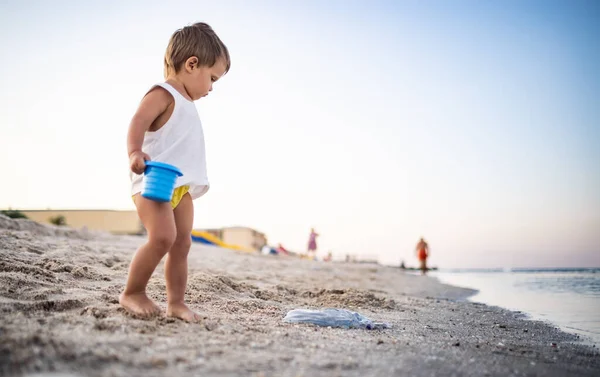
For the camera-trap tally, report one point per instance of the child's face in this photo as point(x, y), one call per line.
point(199, 79)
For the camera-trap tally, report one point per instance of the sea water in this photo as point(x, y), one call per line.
point(566, 297)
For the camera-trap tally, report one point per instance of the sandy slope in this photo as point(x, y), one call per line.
point(59, 316)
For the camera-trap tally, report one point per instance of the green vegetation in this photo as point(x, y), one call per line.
point(13, 214)
point(58, 220)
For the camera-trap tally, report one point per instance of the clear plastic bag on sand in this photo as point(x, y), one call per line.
point(334, 318)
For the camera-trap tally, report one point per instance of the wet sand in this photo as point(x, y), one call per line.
point(59, 316)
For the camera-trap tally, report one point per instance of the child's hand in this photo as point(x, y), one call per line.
point(137, 162)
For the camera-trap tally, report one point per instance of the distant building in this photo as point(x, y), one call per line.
point(116, 222)
point(128, 222)
point(241, 236)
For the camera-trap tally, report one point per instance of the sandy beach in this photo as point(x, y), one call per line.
point(60, 317)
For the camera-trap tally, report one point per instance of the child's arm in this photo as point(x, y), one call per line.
point(152, 106)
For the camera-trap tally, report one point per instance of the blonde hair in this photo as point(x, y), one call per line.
point(197, 40)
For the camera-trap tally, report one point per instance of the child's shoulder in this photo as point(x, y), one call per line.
point(161, 87)
point(161, 92)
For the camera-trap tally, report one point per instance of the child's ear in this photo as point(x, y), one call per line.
point(191, 63)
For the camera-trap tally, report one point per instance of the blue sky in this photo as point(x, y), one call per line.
point(472, 123)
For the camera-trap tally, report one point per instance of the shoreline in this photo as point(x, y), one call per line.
point(550, 314)
point(58, 300)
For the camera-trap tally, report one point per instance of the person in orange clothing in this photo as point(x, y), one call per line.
point(422, 250)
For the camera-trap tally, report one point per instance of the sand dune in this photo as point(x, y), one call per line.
point(60, 317)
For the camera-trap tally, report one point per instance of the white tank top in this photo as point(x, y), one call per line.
point(179, 142)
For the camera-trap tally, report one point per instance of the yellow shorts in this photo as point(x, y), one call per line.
point(178, 194)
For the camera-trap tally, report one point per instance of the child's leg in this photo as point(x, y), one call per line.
point(176, 266)
point(159, 222)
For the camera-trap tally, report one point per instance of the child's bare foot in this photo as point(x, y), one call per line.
point(139, 304)
point(181, 311)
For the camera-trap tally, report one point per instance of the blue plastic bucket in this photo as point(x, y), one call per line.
point(159, 179)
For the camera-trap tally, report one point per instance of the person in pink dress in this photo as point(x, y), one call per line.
point(312, 243)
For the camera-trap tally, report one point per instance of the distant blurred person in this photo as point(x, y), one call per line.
point(422, 250)
point(282, 250)
point(312, 243)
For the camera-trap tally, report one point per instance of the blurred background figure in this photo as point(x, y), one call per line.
point(282, 250)
point(312, 243)
point(422, 250)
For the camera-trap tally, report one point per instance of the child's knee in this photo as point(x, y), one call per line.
point(182, 244)
point(163, 240)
